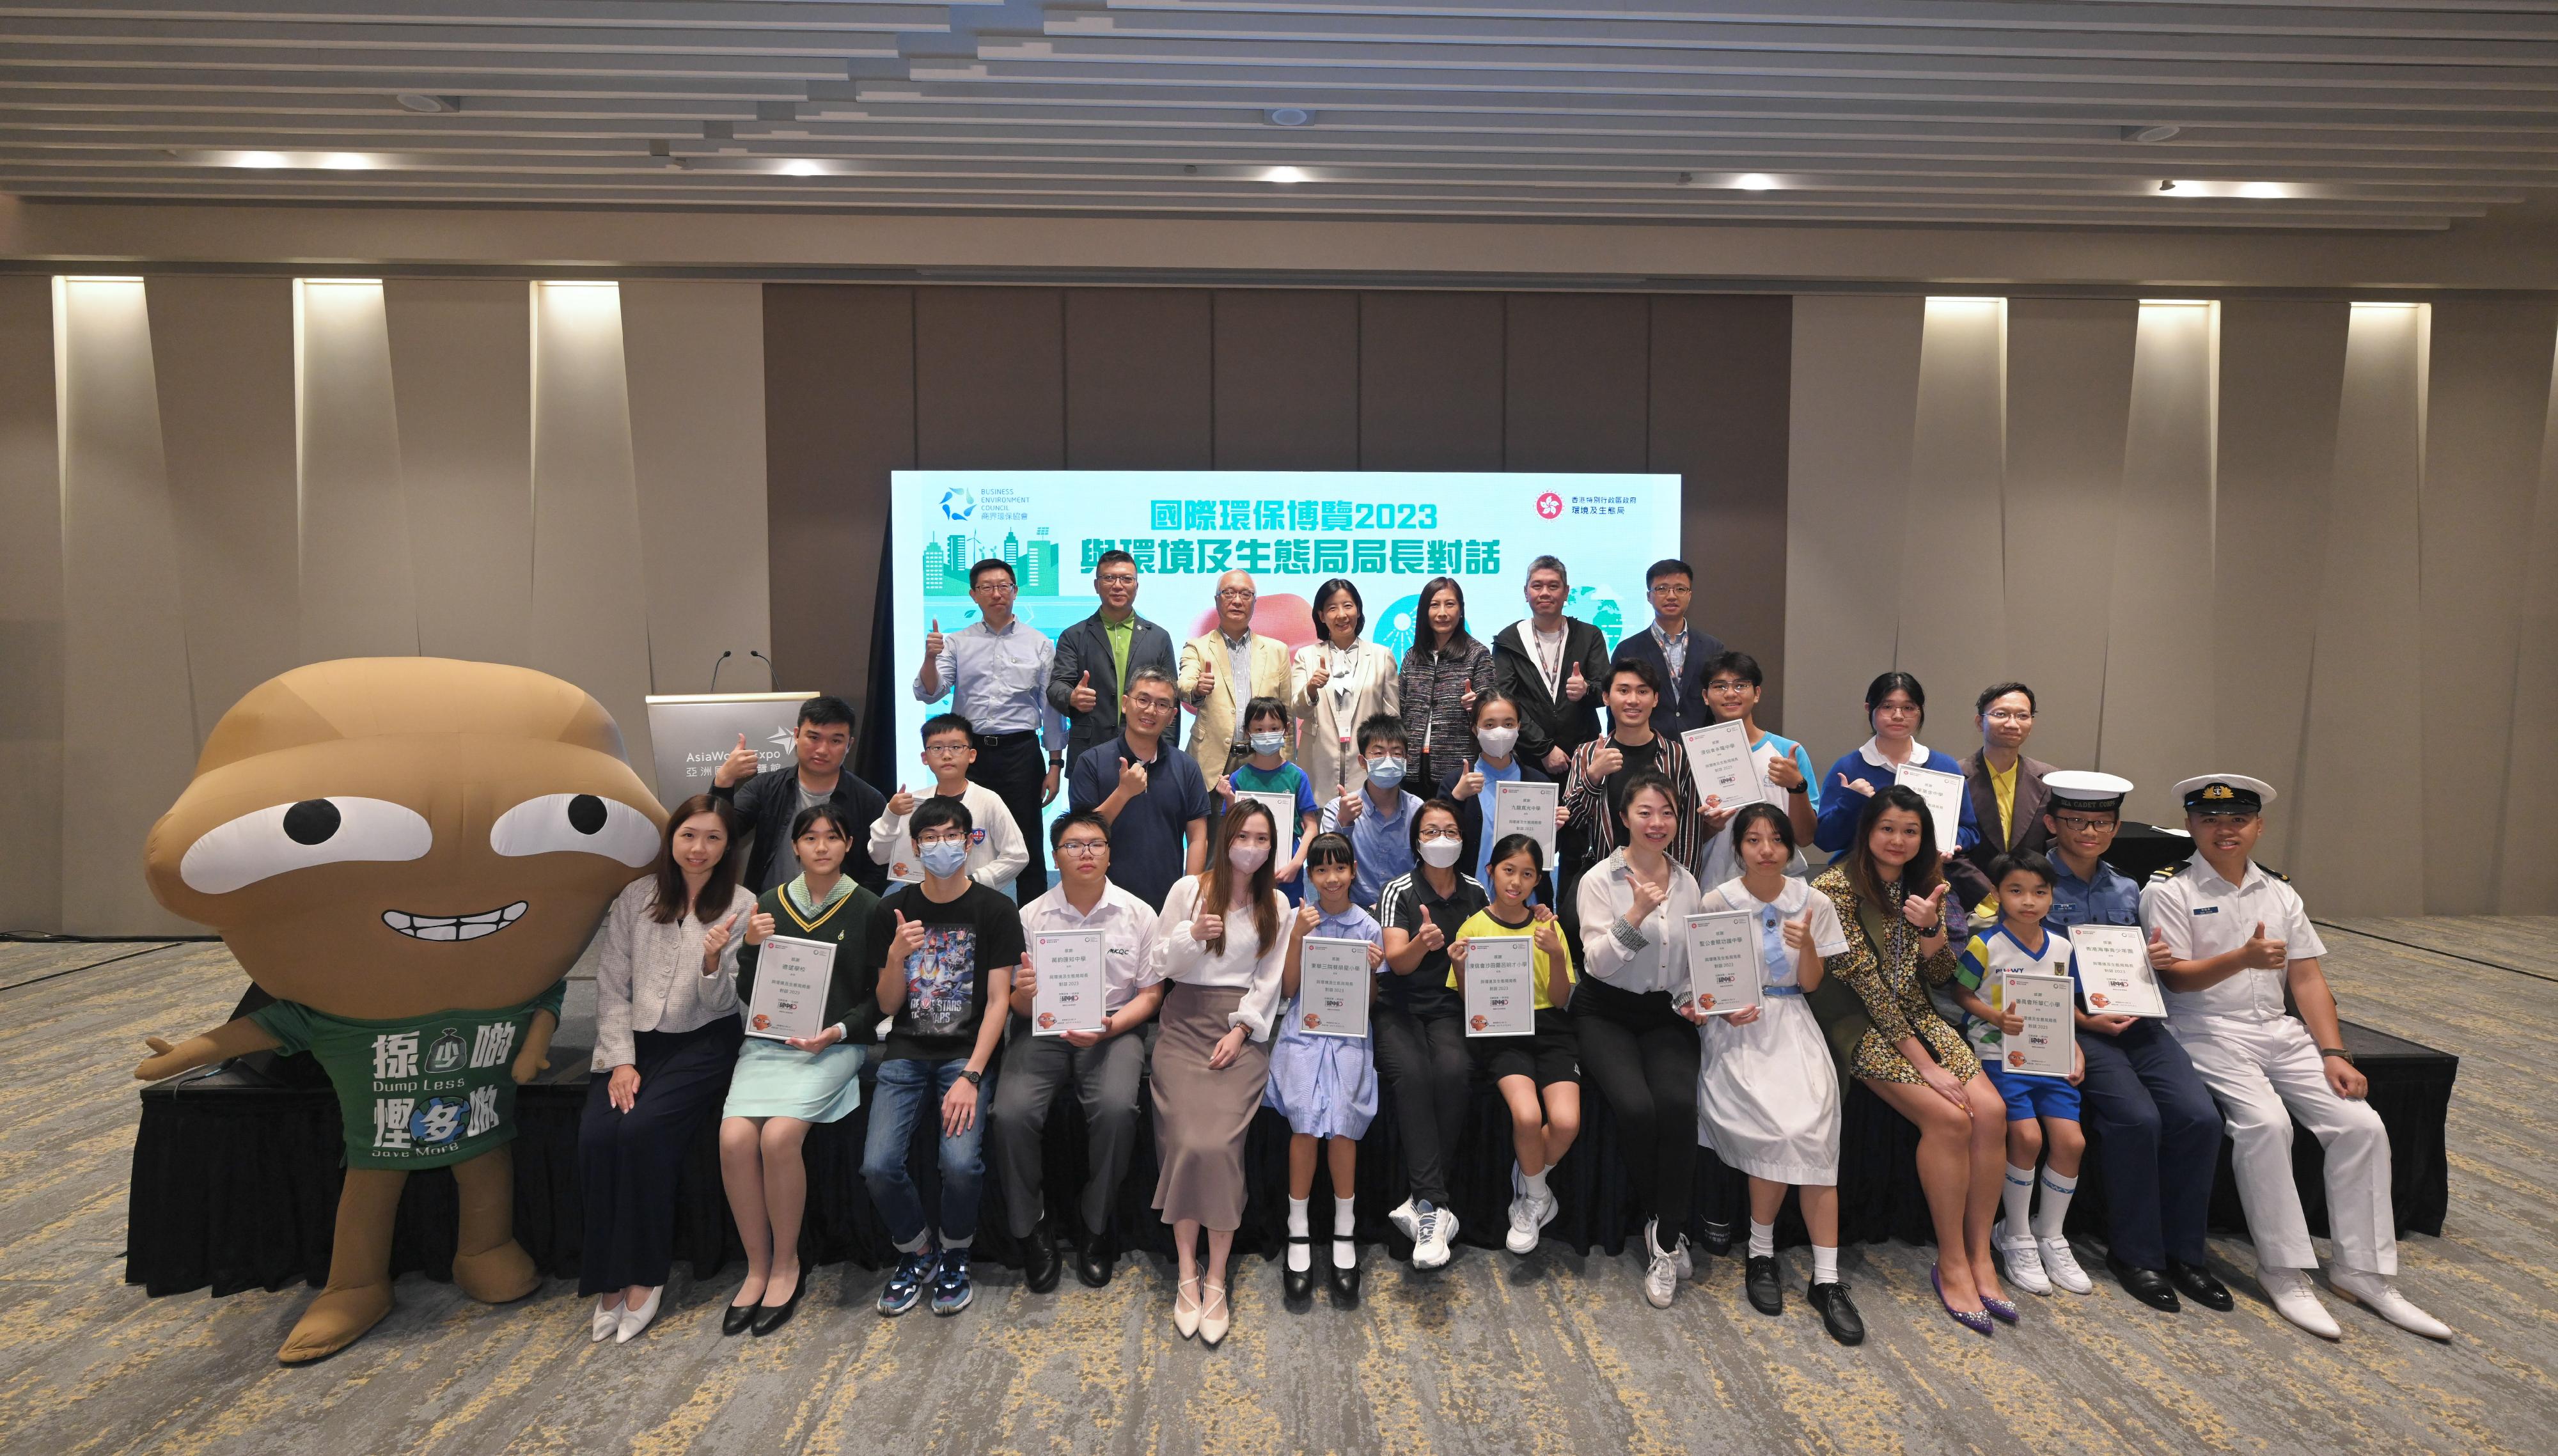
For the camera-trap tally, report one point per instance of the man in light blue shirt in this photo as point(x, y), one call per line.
point(995, 672)
point(1377, 816)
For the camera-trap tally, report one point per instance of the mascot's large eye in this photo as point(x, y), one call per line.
point(294, 837)
point(576, 821)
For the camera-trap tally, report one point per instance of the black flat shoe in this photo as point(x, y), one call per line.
point(1716, 1240)
point(1838, 1313)
point(1345, 1285)
point(2149, 1286)
point(1766, 1294)
point(2196, 1284)
point(1040, 1263)
point(1094, 1262)
point(739, 1316)
point(770, 1317)
point(1299, 1284)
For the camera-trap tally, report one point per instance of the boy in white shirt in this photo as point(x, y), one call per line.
point(2227, 940)
point(996, 852)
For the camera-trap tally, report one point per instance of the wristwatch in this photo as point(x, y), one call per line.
point(2336, 1052)
point(973, 1078)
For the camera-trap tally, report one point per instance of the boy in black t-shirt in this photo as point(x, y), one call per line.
point(952, 950)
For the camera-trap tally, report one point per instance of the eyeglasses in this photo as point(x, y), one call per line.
point(1151, 705)
point(2009, 716)
point(1084, 848)
point(947, 750)
point(1728, 685)
point(1429, 838)
point(942, 839)
point(1236, 594)
point(2079, 826)
point(1117, 578)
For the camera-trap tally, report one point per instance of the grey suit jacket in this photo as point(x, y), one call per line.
point(1086, 647)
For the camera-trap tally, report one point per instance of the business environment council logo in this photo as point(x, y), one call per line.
point(958, 503)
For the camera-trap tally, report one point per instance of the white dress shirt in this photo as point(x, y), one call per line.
point(1127, 927)
point(998, 681)
point(1650, 957)
point(996, 852)
point(1244, 961)
point(2201, 915)
point(650, 975)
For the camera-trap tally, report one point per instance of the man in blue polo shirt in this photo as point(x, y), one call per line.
point(1376, 816)
point(1150, 794)
point(2158, 1131)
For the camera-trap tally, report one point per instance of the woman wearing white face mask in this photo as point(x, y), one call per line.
point(1495, 725)
point(1221, 947)
point(1338, 681)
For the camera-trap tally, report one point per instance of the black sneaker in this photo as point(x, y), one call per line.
point(1767, 1293)
point(906, 1282)
point(951, 1288)
point(1838, 1313)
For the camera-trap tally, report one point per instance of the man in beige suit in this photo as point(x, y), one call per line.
point(1225, 669)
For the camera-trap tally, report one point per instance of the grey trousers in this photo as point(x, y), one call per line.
point(1107, 1081)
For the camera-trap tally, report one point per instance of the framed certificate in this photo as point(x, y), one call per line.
point(1723, 960)
point(2114, 975)
point(1283, 821)
point(1500, 983)
point(1333, 987)
point(1073, 982)
point(1523, 808)
point(1944, 795)
point(2048, 1045)
point(1721, 764)
point(790, 979)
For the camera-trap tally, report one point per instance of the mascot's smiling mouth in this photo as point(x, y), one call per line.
point(453, 926)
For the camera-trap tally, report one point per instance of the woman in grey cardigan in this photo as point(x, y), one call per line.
point(1442, 672)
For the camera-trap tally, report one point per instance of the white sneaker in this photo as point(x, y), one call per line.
point(2296, 1299)
point(2023, 1260)
point(1406, 1221)
point(1438, 1226)
point(2376, 1293)
point(1660, 1273)
point(1529, 1215)
point(2061, 1262)
point(636, 1317)
point(1686, 1265)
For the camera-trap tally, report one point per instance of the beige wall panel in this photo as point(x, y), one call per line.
point(359, 592)
point(30, 612)
point(2069, 402)
point(1853, 417)
point(2526, 870)
point(463, 384)
point(223, 351)
point(2157, 722)
point(590, 609)
point(128, 727)
point(2486, 412)
point(693, 356)
point(2282, 378)
point(1953, 627)
point(2361, 849)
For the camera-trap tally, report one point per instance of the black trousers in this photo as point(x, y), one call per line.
point(1013, 767)
point(1425, 1062)
point(2158, 1133)
point(627, 1161)
point(1643, 1057)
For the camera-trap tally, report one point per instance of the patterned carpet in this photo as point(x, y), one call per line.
point(1551, 1354)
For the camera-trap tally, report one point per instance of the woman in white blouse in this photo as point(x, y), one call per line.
point(666, 1034)
point(1338, 682)
point(1637, 1027)
point(1221, 945)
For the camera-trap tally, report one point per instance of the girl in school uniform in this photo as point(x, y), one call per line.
point(1495, 719)
point(1539, 1074)
point(780, 1088)
point(1768, 1099)
point(1324, 1085)
point(1221, 947)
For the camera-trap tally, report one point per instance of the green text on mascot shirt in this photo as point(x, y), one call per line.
point(421, 1092)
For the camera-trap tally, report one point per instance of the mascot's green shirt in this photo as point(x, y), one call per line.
point(424, 1091)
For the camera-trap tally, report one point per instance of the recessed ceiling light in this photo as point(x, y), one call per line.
point(2150, 134)
point(1754, 182)
point(425, 104)
point(345, 162)
point(803, 167)
point(1287, 116)
point(1285, 175)
point(259, 159)
point(2263, 189)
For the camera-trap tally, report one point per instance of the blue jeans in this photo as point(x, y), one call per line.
point(899, 1098)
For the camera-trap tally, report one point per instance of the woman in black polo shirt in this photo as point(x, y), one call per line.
point(1420, 1023)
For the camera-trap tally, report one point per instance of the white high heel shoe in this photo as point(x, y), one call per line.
point(1215, 1316)
point(607, 1320)
point(1186, 1307)
point(636, 1317)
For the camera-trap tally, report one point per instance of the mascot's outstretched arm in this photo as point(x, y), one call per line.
point(238, 1039)
point(536, 1054)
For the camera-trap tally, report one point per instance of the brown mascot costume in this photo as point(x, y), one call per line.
point(408, 853)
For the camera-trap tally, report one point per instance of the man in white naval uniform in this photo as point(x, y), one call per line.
point(2227, 940)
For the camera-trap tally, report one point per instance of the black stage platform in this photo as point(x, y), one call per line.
point(235, 1182)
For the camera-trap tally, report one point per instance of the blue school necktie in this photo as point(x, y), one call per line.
point(1773, 954)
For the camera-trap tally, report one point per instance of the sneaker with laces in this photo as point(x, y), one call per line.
point(950, 1287)
point(1438, 1228)
point(2376, 1293)
point(1660, 1273)
point(2296, 1299)
point(1679, 1250)
point(2023, 1260)
point(1406, 1219)
point(2061, 1262)
point(1524, 1225)
point(906, 1282)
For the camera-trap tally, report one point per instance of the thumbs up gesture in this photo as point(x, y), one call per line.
point(736, 768)
point(902, 803)
point(716, 938)
point(1928, 912)
point(1576, 687)
point(2161, 958)
point(907, 940)
point(759, 928)
point(1322, 673)
point(1798, 933)
point(1207, 679)
point(1084, 698)
point(1132, 777)
point(2264, 953)
point(933, 640)
point(1466, 699)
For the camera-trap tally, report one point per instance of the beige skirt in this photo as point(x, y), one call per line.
point(1202, 1117)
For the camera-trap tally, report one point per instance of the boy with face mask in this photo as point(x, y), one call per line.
point(1376, 816)
point(1269, 771)
point(996, 852)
